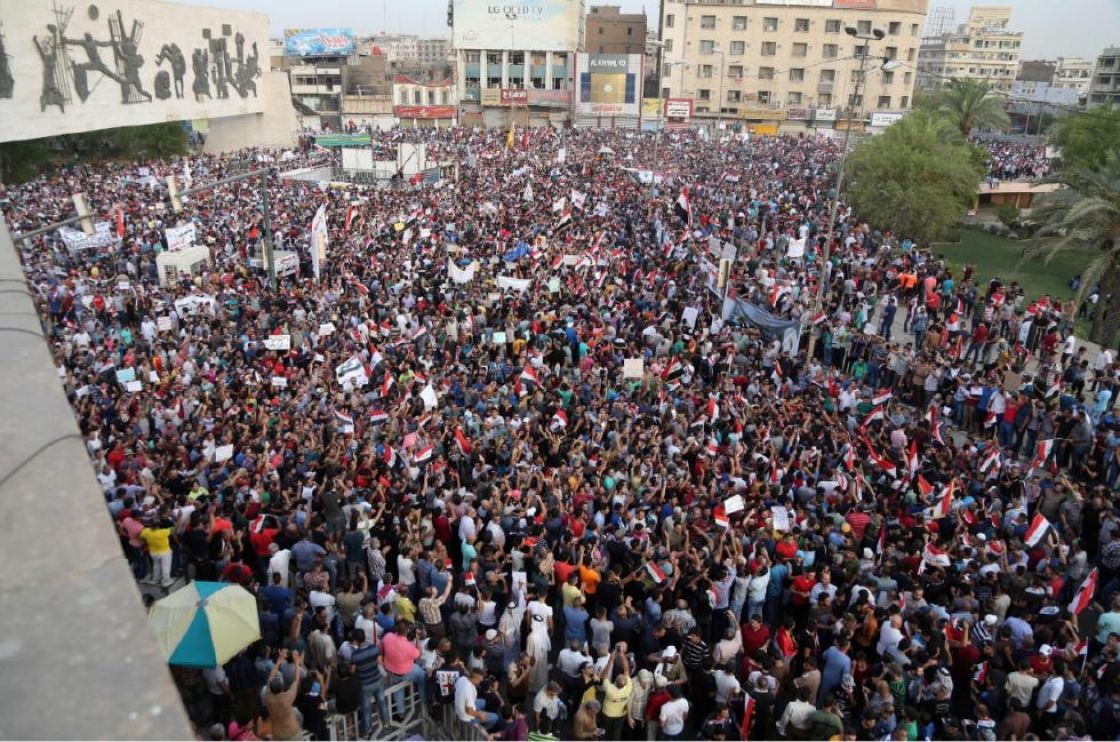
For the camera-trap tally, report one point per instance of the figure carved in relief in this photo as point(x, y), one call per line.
point(7, 82)
point(200, 62)
point(50, 95)
point(173, 54)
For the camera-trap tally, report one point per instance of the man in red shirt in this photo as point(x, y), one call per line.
point(859, 521)
point(755, 635)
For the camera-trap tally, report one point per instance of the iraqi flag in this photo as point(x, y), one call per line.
point(1054, 389)
point(390, 457)
point(529, 376)
point(387, 383)
point(776, 294)
point(1038, 528)
point(559, 421)
point(882, 397)
point(683, 206)
point(925, 489)
point(713, 410)
point(655, 572)
point(423, 456)
point(990, 461)
point(882, 462)
point(748, 715)
point(882, 540)
point(990, 419)
point(377, 417)
point(933, 415)
point(350, 211)
point(120, 223)
point(463, 442)
point(875, 414)
point(850, 457)
point(934, 556)
point(912, 459)
point(944, 504)
point(344, 422)
point(1084, 595)
point(419, 332)
point(674, 370)
point(720, 516)
point(1042, 453)
point(818, 318)
point(981, 673)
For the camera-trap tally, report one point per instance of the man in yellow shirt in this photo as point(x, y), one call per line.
point(157, 539)
point(616, 695)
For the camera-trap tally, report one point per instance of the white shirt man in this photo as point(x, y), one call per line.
point(278, 563)
point(673, 714)
point(889, 636)
point(1048, 695)
point(466, 695)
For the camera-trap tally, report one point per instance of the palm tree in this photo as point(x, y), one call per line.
point(970, 104)
point(1085, 216)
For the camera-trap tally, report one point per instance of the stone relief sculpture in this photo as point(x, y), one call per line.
point(7, 82)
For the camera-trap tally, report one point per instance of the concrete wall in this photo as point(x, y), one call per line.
point(276, 126)
point(76, 657)
point(62, 83)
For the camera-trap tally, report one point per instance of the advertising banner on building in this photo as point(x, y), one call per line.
point(609, 84)
point(550, 98)
point(651, 107)
point(885, 118)
point(318, 42)
point(70, 67)
point(514, 97)
point(824, 115)
point(424, 112)
point(678, 108)
point(524, 25)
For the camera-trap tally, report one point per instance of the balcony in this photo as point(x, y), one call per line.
point(825, 87)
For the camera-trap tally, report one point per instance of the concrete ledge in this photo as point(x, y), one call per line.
point(76, 658)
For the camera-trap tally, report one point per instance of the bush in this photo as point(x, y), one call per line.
point(1008, 215)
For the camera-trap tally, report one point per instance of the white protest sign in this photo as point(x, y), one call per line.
point(796, 248)
point(516, 284)
point(689, 317)
point(554, 285)
point(351, 373)
point(428, 396)
point(180, 237)
point(327, 328)
point(781, 517)
point(733, 504)
point(633, 368)
point(163, 324)
point(279, 382)
point(499, 338)
point(278, 342)
point(134, 386)
point(223, 453)
point(461, 275)
point(193, 304)
point(125, 375)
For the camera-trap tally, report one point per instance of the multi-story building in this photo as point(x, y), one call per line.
point(610, 31)
point(396, 47)
point(982, 49)
point(1104, 89)
point(433, 51)
point(1075, 73)
point(1036, 70)
point(516, 61)
point(777, 61)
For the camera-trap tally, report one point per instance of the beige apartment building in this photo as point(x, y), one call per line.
point(789, 62)
point(610, 31)
point(982, 49)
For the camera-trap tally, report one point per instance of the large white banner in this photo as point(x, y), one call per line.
point(181, 237)
point(537, 25)
point(69, 66)
point(319, 240)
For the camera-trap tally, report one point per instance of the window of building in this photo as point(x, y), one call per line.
point(769, 48)
point(894, 28)
point(914, 29)
point(472, 57)
point(859, 50)
point(793, 98)
point(864, 27)
point(765, 73)
point(517, 57)
point(493, 57)
point(905, 103)
point(707, 21)
point(431, 97)
point(600, 30)
point(884, 101)
point(444, 97)
point(888, 77)
point(891, 52)
point(832, 26)
point(600, 48)
point(668, 45)
point(735, 70)
point(705, 94)
point(494, 82)
point(734, 96)
point(404, 97)
point(828, 75)
point(824, 99)
point(769, 24)
point(739, 23)
point(830, 51)
point(853, 77)
point(738, 47)
point(705, 70)
point(855, 101)
point(796, 74)
point(764, 96)
point(801, 25)
point(629, 30)
point(907, 78)
point(416, 97)
point(670, 19)
point(910, 54)
point(707, 46)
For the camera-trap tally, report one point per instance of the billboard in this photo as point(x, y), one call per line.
point(525, 25)
point(651, 107)
point(678, 108)
point(609, 84)
point(824, 114)
point(68, 67)
point(424, 112)
point(885, 118)
point(318, 42)
point(514, 97)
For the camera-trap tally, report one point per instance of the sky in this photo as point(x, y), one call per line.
point(1051, 28)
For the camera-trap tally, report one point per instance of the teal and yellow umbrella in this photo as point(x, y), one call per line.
point(204, 624)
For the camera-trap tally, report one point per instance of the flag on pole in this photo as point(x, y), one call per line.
point(344, 422)
point(1039, 526)
point(120, 223)
point(925, 489)
point(912, 459)
point(377, 417)
point(463, 442)
point(713, 410)
point(748, 716)
point(559, 421)
point(882, 397)
point(655, 572)
point(1042, 453)
point(818, 318)
point(991, 460)
point(390, 457)
point(529, 376)
point(1084, 594)
point(944, 504)
point(1054, 389)
point(386, 383)
point(935, 556)
point(720, 517)
point(981, 673)
point(424, 455)
point(882, 462)
point(349, 216)
point(683, 206)
point(875, 414)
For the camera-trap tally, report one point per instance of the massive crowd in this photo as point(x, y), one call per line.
point(1017, 161)
point(519, 446)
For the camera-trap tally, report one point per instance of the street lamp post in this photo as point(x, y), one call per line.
point(719, 101)
point(876, 34)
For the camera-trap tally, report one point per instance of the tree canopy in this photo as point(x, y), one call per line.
point(1086, 138)
point(915, 179)
point(969, 105)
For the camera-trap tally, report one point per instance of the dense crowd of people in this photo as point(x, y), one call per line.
point(519, 445)
point(1017, 161)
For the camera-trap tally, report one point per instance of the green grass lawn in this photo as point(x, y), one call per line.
point(999, 256)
